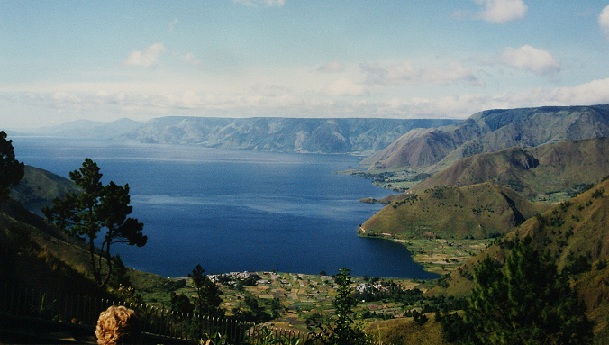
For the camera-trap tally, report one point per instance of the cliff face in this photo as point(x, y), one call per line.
point(491, 131)
point(280, 134)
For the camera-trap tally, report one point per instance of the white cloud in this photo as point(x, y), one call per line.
point(531, 59)
point(460, 106)
point(603, 21)
point(405, 72)
point(345, 87)
point(146, 58)
point(502, 11)
point(260, 2)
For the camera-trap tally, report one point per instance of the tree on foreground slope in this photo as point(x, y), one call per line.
point(97, 208)
point(527, 301)
point(11, 170)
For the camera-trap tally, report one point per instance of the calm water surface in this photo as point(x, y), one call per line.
point(235, 210)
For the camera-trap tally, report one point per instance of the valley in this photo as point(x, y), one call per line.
point(451, 212)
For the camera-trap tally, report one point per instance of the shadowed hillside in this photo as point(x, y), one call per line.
point(549, 172)
point(489, 131)
point(35, 255)
point(39, 187)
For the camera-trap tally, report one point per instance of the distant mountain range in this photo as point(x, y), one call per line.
point(432, 149)
point(361, 136)
point(91, 129)
point(315, 135)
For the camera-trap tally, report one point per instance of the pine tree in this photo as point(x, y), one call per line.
point(97, 207)
point(11, 170)
point(525, 301)
point(208, 294)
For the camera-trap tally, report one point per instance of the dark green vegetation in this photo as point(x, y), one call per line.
point(524, 300)
point(11, 170)
point(342, 331)
point(96, 207)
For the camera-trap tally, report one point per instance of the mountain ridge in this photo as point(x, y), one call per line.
point(307, 135)
point(535, 172)
point(431, 150)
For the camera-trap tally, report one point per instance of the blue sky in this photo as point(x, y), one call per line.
point(104, 60)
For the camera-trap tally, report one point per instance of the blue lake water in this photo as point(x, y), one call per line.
point(235, 210)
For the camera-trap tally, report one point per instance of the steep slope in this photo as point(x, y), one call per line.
point(280, 134)
point(537, 173)
point(576, 234)
point(34, 255)
point(478, 211)
point(493, 130)
point(39, 187)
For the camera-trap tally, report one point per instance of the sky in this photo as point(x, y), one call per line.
point(66, 60)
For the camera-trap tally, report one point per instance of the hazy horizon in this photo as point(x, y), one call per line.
point(106, 60)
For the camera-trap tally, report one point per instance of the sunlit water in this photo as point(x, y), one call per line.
point(235, 210)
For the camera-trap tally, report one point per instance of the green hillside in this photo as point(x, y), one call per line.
point(551, 172)
point(36, 255)
point(39, 187)
point(469, 212)
point(574, 232)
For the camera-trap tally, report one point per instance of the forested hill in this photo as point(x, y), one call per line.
point(352, 136)
point(490, 131)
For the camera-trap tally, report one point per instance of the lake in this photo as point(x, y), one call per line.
point(235, 210)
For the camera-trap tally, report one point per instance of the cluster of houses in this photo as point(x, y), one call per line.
point(248, 278)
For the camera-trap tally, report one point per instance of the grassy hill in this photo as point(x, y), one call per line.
point(36, 255)
point(478, 211)
point(39, 187)
point(575, 233)
point(550, 172)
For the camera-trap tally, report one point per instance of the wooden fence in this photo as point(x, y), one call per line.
point(155, 322)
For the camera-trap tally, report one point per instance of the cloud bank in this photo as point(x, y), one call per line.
point(147, 57)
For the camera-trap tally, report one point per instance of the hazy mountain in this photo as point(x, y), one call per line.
point(91, 129)
point(536, 173)
point(280, 134)
point(490, 131)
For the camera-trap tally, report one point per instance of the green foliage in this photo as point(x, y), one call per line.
point(525, 301)
point(208, 294)
point(97, 207)
point(11, 170)
point(342, 331)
